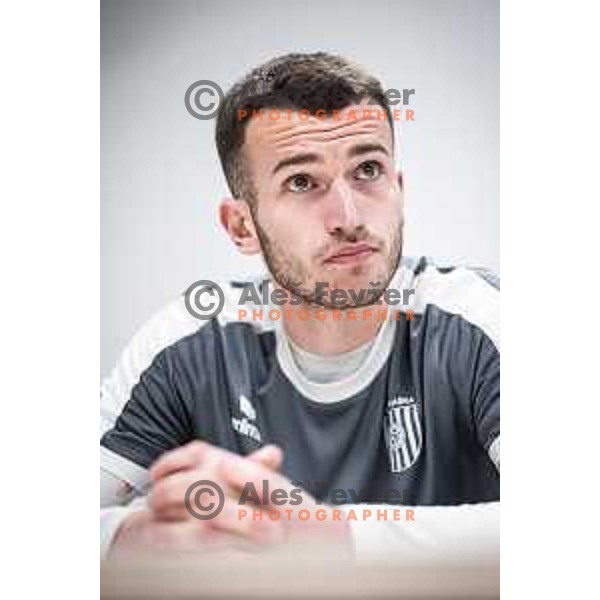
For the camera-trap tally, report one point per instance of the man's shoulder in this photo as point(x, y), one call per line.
point(174, 329)
point(214, 303)
point(471, 293)
point(418, 268)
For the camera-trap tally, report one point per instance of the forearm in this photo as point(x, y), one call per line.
point(111, 520)
point(467, 532)
point(117, 501)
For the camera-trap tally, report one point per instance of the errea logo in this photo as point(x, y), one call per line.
point(243, 426)
point(246, 408)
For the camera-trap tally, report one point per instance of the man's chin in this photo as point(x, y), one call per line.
point(355, 278)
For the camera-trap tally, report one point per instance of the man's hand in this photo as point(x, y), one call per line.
point(174, 473)
point(168, 524)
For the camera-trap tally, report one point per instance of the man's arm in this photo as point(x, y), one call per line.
point(162, 521)
point(122, 480)
point(118, 500)
point(465, 533)
point(111, 520)
point(138, 437)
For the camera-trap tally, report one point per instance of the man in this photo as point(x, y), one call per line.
point(336, 396)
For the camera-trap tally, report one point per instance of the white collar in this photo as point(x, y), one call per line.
point(343, 388)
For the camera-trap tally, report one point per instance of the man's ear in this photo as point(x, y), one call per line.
point(236, 218)
point(401, 179)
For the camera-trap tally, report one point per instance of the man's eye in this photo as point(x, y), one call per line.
point(370, 169)
point(299, 183)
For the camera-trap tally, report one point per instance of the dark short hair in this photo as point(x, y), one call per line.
point(317, 81)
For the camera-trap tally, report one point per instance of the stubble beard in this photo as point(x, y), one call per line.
point(292, 275)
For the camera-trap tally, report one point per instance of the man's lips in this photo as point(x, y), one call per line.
point(351, 253)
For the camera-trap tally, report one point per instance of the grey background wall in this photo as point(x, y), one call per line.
point(160, 176)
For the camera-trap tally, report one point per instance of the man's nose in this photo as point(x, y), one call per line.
point(342, 214)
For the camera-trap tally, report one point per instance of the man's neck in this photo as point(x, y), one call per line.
point(330, 335)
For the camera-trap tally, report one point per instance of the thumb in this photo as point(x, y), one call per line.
point(269, 456)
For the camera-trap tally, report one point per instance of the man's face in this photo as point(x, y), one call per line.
point(328, 203)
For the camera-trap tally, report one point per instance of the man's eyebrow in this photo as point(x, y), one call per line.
point(311, 157)
point(367, 147)
point(298, 159)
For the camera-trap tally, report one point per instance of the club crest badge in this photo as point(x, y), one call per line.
point(402, 432)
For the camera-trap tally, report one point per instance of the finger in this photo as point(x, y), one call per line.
point(168, 497)
point(270, 456)
point(239, 473)
point(195, 453)
point(168, 494)
point(247, 523)
point(185, 457)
